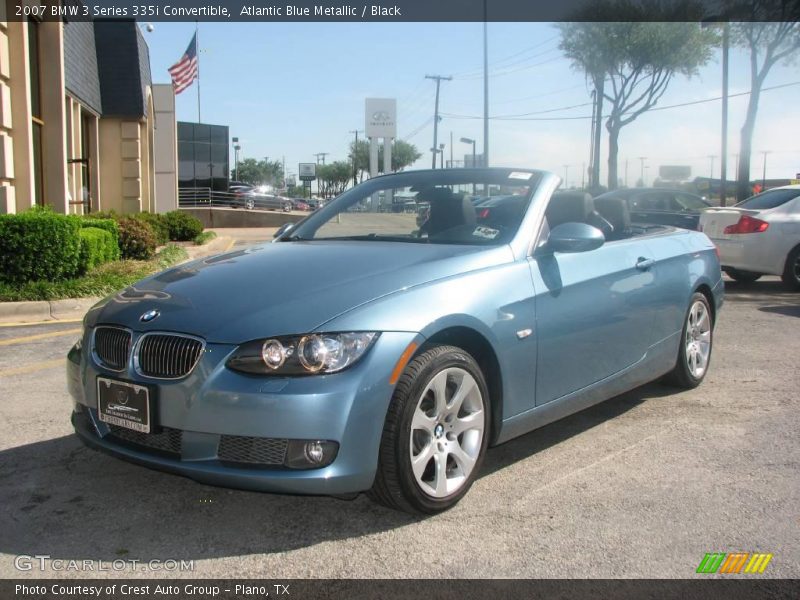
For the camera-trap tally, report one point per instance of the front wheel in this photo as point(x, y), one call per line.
point(435, 434)
point(791, 272)
point(249, 204)
point(287, 207)
point(694, 354)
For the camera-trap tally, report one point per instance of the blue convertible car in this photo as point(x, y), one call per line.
point(364, 351)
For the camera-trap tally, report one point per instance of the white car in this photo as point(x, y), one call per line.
point(758, 236)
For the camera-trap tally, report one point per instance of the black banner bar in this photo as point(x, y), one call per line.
point(433, 589)
point(409, 10)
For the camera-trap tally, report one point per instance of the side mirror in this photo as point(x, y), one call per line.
point(282, 229)
point(575, 237)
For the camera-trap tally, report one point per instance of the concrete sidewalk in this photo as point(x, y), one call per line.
point(73, 309)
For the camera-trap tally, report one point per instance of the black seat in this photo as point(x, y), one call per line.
point(568, 207)
point(615, 211)
point(448, 211)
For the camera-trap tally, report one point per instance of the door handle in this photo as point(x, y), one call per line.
point(643, 264)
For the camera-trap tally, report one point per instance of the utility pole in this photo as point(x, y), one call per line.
point(566, 176)
point(711, 175)
point(486, 87)
point(764, 171)
point(723, 160)
point(451, 149)
point(438, 79)
point(626, 172)
point(642, 159)
point(321, 155)
point(583, 176)
point(355, 149)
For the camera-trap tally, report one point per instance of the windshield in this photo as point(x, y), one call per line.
point(455, 206)
point(770, 199)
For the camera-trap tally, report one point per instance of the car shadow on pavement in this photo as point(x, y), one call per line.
point(541, 439)
point(61, 499)
point(789, 310)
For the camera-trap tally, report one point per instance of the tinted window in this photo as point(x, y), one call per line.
point(770, 199)
point(654, 201)
point(688, 202)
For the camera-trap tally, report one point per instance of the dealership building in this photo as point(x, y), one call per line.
point(82, 126)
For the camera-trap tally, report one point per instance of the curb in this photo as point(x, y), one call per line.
point(73, 309)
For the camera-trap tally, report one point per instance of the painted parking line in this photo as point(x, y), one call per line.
point(36, 323)
point(38, 336)
point(48, 364)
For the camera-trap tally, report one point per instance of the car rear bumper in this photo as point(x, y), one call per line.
point(347, 408)
point(746, 252)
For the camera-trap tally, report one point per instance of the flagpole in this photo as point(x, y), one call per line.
point(197, 49)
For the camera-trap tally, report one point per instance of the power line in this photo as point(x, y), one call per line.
point(498, 62)
point(522, 117)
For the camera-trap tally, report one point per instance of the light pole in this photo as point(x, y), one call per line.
point(711, 175)
point(441, 156)
point(641, 174)
point(566, 176)
point(764, 170)
point(236, 149)
point(466, 140)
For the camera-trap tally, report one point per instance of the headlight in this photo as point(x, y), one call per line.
point(302, 355)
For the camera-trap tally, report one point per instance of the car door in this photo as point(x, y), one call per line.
point(651, 207)
point(593, 314)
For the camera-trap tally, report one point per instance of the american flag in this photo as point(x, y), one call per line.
point(184, 72)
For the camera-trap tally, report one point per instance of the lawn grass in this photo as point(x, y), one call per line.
point(205, 237)
point(102, 281)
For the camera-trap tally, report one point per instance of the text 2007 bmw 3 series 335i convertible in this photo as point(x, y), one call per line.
point(386, 341)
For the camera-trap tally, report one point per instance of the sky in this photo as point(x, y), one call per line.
point(291, 90)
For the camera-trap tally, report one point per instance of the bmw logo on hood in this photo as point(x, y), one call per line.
point(149, 315)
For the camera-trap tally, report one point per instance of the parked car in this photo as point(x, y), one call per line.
point(268, 201)
point(356, 353)
point(661, 206)
point(759, 236)
point(301, 204)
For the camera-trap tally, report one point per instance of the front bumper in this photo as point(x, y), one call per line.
point(348, 408)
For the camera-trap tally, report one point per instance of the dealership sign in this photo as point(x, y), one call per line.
point(307, 171)
point(381, 117)
point(675, 172)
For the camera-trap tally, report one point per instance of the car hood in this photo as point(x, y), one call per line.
point(284, 288)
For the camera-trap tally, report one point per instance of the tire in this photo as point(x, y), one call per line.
point(694, 355)
point(287, 207)
point(420, 425)
point(249, 204)
point(791, 272)
point(743, 276)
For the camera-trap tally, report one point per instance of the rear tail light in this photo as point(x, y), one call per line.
point(747, 224)
point(484, 214)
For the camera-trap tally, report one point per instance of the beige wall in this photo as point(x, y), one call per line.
point(122, 151)
point(165, 151)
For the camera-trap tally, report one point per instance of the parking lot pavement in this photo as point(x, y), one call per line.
point(642, 485)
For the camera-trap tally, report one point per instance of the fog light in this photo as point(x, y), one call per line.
point(310, 454)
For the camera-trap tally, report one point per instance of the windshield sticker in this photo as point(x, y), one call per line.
point(486, 233)
point(520, 175)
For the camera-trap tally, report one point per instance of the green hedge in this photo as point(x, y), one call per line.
point(98, 246)
point(183, 227)
point(39, 245)
point(157, 223)
point(109, 225)
point(137, 240)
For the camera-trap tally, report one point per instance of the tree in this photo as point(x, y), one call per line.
point(334, 177)
point(639, 53)
point(403, 155)
point(260, 172)
point(768, 43)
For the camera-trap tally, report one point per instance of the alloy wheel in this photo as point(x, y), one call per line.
point(698, 339)
point(447, 432)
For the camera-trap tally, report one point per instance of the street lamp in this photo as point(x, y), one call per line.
point(764, 171)
point(467, 140)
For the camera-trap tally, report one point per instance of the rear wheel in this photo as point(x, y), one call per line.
point(694, 355)
point(791, 272)
point(435, 435)
point(249, 203)
point(743, 276)
point(287, 207)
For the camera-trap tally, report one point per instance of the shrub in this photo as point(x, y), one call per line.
point(39, 245)
point(182, 226)
point(205, 237)
point(136, 239)
point(98, 246)
point(108, 224)
point(158, 223)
